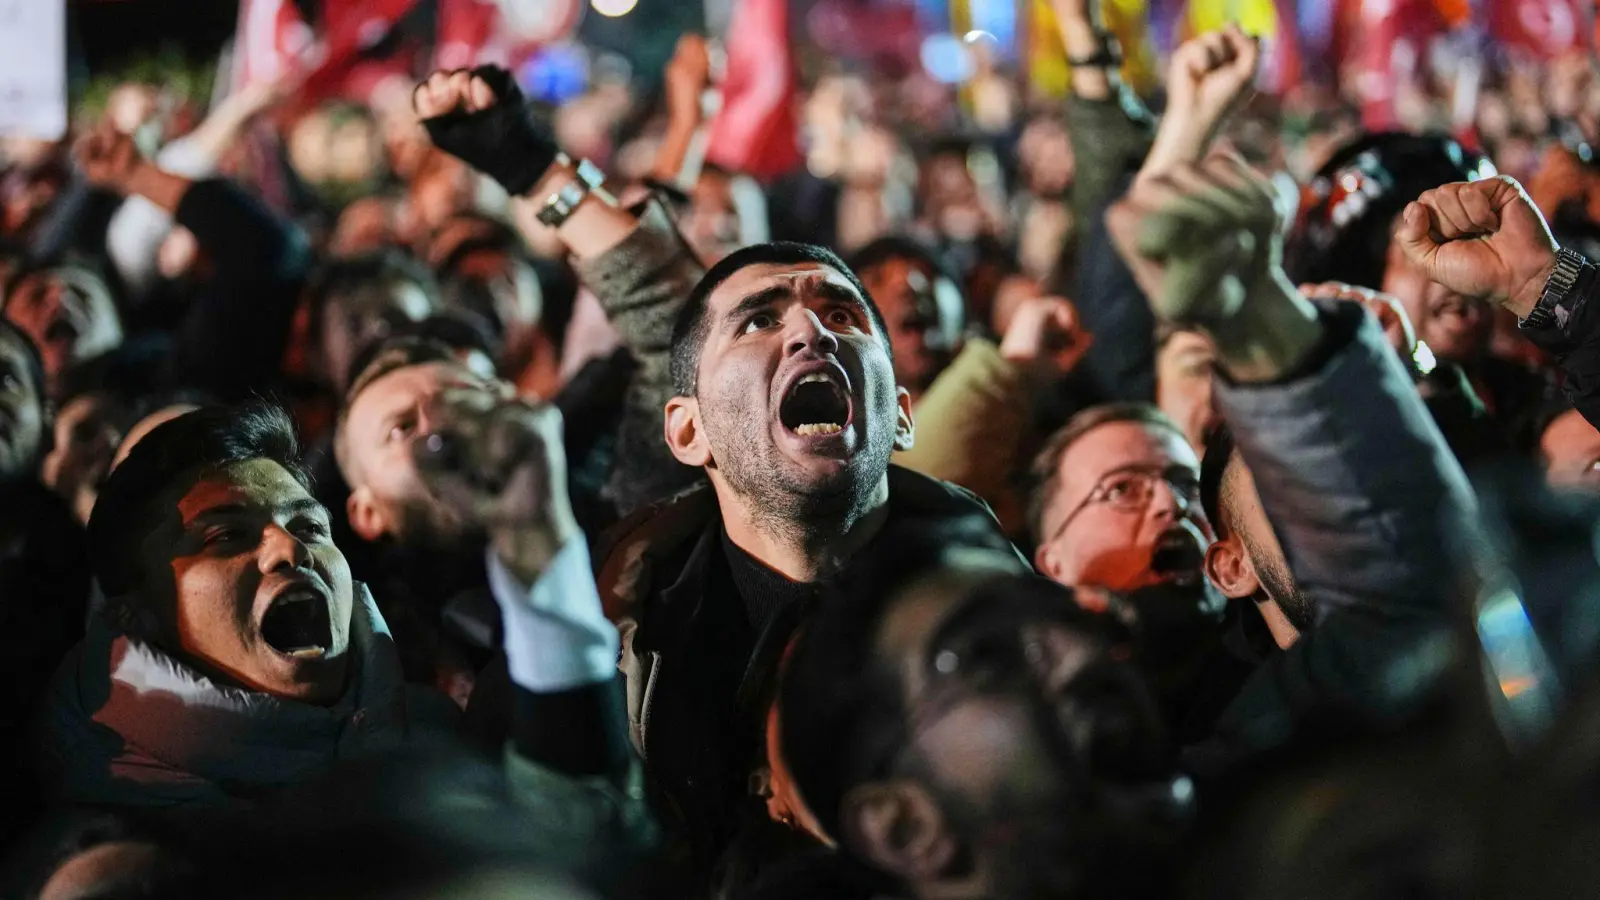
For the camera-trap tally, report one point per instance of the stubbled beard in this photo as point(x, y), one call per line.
point(1279, 586)
point(424, 524)
point(782, 500)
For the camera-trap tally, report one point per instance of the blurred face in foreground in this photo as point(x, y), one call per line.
point(1014, 706)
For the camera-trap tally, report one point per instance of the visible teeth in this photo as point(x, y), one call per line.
point(817, 377)
point(814, 428)
point(308, 653)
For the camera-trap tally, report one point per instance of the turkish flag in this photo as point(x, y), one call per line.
point(273, 40)
point(465, 28)
point(757, 129)
point(1543, 29)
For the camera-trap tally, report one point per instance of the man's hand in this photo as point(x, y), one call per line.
point(1208, 78)
point(499, 464)
point(1385, 308)
point(480, 117)
point(108, 158)
point(1204, 242)
point(1045, 337)
point(1482, 239)
point(687, 76)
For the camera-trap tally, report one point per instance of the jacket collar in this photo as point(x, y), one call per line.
point(130, 724)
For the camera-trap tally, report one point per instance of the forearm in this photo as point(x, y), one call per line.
point(1574, 340)
point(1352, 472)
point(157, 185)
point(672, 158)
point(561, 653)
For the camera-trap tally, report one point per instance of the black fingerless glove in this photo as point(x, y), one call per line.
point(509, 142)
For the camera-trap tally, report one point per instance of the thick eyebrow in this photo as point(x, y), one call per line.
point(762, 298)
point(827, 290)
point(298, 506)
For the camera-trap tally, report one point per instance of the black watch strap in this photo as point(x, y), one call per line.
point(1107, 56)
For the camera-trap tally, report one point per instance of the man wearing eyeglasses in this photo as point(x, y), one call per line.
point(1117, 508)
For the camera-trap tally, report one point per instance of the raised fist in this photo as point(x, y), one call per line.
point(1208, 78)
point(1211, 74)
point(688, 74)
point(1482, 239)
point(1198, 237)
point(480, 117)
point(499, 464)
point(108, 158)
point(1045, 336)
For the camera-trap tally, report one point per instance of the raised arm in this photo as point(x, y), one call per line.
point(232, 338)
point(1486, 239)
point(1351, 471)
point(634, 260)
point(500, 464)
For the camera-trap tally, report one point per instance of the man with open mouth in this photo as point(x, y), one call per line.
point(782, 391)
point(237, 654)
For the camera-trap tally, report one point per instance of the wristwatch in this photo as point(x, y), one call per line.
point(1551, 309)
point(1108, 55)
point(590, 180)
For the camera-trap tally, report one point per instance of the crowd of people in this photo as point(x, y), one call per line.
point(450, 506)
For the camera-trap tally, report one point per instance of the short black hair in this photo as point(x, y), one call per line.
point(690, 330)
point(1213, 468)
point(184, 449)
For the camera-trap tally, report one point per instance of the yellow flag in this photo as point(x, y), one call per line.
point(1257, 17)
point(1047, 57)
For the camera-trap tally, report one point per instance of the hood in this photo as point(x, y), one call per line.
point(127, 724)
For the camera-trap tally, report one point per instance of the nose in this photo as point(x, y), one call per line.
point(804, 331)
point(1167, 502)
point(281, 550)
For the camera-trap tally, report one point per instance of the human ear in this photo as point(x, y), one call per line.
point(1229, 570)
point(684, 437)
point(904, 427)
point(898, 827)
point(367, 518)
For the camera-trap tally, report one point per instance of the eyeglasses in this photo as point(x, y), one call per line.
point(1131, 490)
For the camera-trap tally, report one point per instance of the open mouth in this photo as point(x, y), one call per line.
point(1178, 552)
point(296, 624)
point(61, 331)
point(816, 406)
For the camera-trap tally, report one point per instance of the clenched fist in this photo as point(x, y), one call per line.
point(1209, 77)
point(499, 464)
point(1203, 240)
point(480, 117)
point(1198, 236)
point(108, 158)
point(1482, 239)
point(1046, 336)
point(1212, 74)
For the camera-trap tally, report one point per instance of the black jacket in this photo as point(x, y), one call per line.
point(659, 577)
